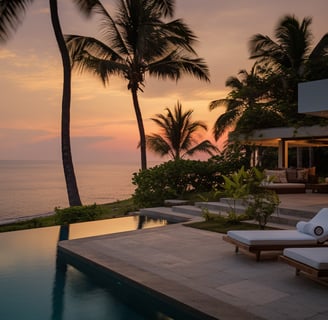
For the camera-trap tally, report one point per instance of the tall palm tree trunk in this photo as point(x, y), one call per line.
point(71, 185)
point(141, 129)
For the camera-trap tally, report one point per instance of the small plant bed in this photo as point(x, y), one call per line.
point(222, 224)
point(75, 214)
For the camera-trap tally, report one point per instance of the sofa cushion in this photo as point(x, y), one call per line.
point(300, 175)
point(276, 176)
point(303, 175)
point(291, 174)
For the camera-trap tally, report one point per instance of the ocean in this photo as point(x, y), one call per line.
point(37, 187)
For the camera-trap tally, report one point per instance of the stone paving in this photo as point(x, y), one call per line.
point(199, 269)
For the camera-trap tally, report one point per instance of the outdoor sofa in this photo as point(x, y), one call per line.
point(307, 234)
point(289, 180)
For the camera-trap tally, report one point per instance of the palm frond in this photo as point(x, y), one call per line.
point(88, 7)
point(79, 45)
point(217, 103)
point(204, 146)
point(157, 144)
point(178, 34)
point(103, 69)
point(174, 65)
point(321, 49)
point(264, 47)
point(91, 55)
point(11, 15)
point(166, 7)
point(224, 122)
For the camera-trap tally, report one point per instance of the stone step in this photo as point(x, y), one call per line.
point(188, 209)
point(296, 213)
point(175, 202)
point(219, 207)
point(285, 219)
point(166, 213)
point(223, 206)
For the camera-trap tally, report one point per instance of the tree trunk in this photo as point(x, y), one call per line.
point(72, 190)
point(141, 129)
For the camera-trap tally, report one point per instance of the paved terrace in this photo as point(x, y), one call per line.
point(200, 270)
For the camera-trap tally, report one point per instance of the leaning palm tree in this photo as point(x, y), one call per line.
point(11, 12)
point(138, 41)
point(292, 57)
point(177, 135)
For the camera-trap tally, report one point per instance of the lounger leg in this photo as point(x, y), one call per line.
point(236, 249)
point(297, 272)
point(258, 254)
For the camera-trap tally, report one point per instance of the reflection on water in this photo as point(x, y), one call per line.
point(35, 283)
point(95, 228)
point(58, 290)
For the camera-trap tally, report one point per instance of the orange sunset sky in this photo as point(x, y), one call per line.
point(103, 125)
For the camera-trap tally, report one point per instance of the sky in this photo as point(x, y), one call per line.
point(103, 124)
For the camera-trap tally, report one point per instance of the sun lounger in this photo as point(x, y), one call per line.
point(307, 234)
point(312, 261)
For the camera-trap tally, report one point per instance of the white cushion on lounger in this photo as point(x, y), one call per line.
point(317, 226)
point(314, 257)
point(272, 237)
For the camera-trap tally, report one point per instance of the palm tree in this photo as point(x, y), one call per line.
point(247, 104)
point(292, 58)
point(71, 185)
point(136, 42)
point(176, 138)
point(11, 12)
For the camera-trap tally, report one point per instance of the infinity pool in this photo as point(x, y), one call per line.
point(34, 285)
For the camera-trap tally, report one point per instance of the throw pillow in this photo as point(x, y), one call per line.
point(303, 174)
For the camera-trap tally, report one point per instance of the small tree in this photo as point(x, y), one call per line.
point(246, 185)
point(262, 205)
point(236, 187)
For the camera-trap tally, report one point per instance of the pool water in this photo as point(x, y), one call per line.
point(35, 285)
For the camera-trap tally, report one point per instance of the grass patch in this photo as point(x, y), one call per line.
point(104, 211)
point(222, 224)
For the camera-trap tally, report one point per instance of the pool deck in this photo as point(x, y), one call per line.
point(200, 270)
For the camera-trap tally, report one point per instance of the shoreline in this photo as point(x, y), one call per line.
point(25, 218)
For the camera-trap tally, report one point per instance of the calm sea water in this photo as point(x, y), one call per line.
point(36, 187)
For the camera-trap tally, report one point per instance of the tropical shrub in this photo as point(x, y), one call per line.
point(77, 214)
point(262, 205)
point(245, 185)
point(174, 180)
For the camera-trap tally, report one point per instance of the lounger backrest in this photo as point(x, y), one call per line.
point(317, 226)
point(321, 218)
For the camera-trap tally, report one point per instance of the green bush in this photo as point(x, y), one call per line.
point(174, 180)
point(246, 185)
point(77, 214)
